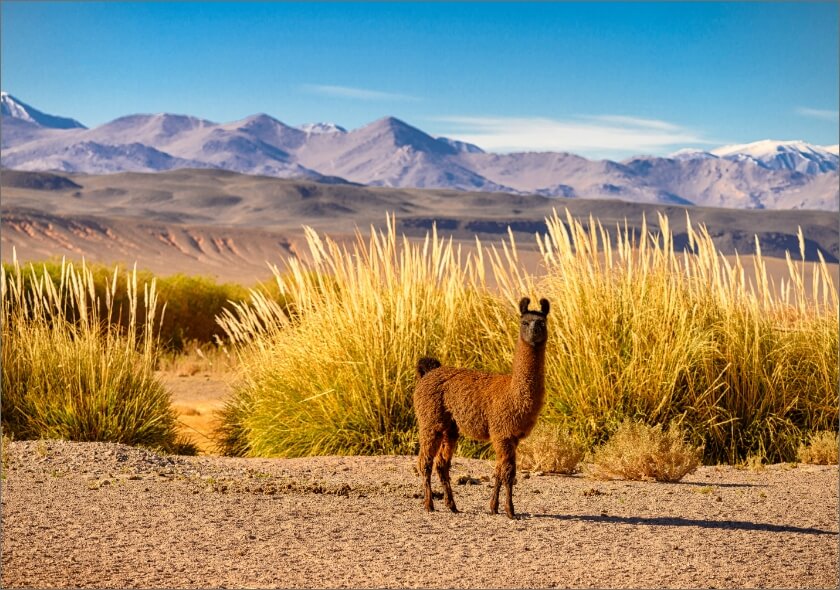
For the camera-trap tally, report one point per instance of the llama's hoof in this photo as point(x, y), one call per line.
point(453, 508)
point(429, 507)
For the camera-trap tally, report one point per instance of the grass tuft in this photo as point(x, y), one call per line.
point(552, 449)
point(637, 451)
point(68, 371)
point(822, 448)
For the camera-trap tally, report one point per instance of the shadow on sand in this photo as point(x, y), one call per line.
point(720, 485)
point(676, 521)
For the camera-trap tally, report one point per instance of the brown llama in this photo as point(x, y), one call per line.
point(486, 406)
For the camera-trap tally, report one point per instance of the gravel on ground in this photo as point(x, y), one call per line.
point(100, 515)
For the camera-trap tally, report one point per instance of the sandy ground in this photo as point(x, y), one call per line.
point(103, 515)
point(197, 398)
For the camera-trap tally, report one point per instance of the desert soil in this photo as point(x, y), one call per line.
point(197, 399)
point(106, 515)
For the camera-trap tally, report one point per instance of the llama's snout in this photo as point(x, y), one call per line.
point(534, 332)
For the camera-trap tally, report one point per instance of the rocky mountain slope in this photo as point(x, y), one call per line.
point(392, 153)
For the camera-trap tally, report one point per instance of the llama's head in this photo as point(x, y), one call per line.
point(532, 325)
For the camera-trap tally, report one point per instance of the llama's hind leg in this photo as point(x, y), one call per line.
point(505, 473)
point(443, 462)
point(429, 445)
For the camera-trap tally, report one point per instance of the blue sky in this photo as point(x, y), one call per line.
point(602, 80)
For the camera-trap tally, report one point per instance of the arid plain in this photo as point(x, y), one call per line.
point(101, 515)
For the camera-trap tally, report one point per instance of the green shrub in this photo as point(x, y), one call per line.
point(69, 373)
point(191, 303)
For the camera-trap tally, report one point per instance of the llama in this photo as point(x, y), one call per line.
point(486, 406)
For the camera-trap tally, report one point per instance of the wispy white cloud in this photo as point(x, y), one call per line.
point(824, 114)
point(355, 93)
point(632, 122)
point(583, 134)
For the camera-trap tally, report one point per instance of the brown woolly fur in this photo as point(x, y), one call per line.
point(486, 406)
point(424, 365)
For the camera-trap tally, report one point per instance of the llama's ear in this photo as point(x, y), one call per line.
point(544, 306)
point(523, 305)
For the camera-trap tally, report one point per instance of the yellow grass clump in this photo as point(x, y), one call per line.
point(550, 448)
point(822, 448)
point(637, 451)
point(67, 370)
point(333, 373)
point(638, 328)
point(192, 302)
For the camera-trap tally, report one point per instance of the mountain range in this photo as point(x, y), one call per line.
point(391, 153)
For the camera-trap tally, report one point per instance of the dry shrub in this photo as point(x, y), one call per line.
point(822, 449)
point(640, 452)
point(552, 449)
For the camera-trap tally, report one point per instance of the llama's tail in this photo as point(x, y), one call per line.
point(426, 364)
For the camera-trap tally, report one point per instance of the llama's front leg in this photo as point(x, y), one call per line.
point(497, 483)
point(509, 477)
point(505, 473)
point(428, 450)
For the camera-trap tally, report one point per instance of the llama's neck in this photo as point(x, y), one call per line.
point(528, 373)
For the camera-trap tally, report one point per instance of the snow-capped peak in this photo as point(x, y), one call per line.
point(797, 155)
point(691, 154)
point(12, 108)
point(767, 147)
point(17, 109)
point(318, 128)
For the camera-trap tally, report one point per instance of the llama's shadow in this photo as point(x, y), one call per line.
point(722, 485)
point(741, 525)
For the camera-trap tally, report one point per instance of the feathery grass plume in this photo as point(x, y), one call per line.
point(823, 448)
point(637, 329)
point(68, 372)
point(192, 302)
point(335, 374)
point(550, 448)
point(637, 451)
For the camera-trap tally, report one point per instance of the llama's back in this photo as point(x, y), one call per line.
point(464, 394)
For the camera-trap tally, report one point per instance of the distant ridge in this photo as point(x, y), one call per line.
point(389, 152)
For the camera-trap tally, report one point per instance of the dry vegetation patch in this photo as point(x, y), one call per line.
point(822, 448)
point(637, 451)
point(551, 448)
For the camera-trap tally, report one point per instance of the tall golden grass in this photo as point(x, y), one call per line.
point(192, 302)
point(638, 330)
point(69, 371)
